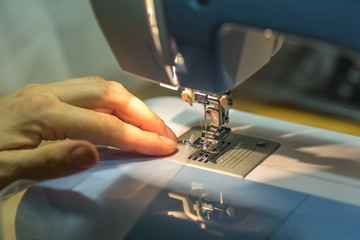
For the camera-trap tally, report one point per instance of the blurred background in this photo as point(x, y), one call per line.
point(44, 41)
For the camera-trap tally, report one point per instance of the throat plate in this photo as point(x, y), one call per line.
point(235, 155)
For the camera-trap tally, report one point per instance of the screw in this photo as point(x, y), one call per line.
point(225, 101)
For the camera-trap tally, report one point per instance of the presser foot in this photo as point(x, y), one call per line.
point(209, 142)
point(212, 138)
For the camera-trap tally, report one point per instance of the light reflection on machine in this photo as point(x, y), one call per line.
point(209, 214)
point(212, 212)
point(204, 209)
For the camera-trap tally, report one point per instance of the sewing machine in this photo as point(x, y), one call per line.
point(244, 176)
point(208, 47)
point(207, 53)
point(207, 60)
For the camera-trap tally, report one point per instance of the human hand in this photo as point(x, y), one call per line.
point(91, 109)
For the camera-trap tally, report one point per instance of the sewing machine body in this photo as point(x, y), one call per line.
point(308, 187)
point(215, 53)
point(209, 47)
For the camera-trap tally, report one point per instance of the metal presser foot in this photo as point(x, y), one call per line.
point(217, 109)
point(216, 148)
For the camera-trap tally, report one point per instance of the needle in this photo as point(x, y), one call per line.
point(204, 147)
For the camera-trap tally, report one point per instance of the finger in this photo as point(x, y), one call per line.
point(111, 97)
point(47, 162)
point(67, 121)
point(78, 80)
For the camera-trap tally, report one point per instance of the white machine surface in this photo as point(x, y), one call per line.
point(309, 160)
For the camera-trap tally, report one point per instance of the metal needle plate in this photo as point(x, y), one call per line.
point(236, 155)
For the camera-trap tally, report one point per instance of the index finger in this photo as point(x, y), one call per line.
point(99, 128)
point(112, 98)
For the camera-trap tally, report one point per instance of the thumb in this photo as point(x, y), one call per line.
point(46, 162)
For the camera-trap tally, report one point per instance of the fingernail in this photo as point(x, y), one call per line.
point(170, 133)
point(168, 141)
point(82, 157)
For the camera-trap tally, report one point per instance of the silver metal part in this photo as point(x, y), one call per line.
point(210, 140)
point(234, 154)
point(217, 109)
point(194, 145)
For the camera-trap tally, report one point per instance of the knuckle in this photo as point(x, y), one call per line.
point(115, 134)
point(112, 88)
point(33, 88)
point(35, 103)
point(34, 98)
point(95, 79)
